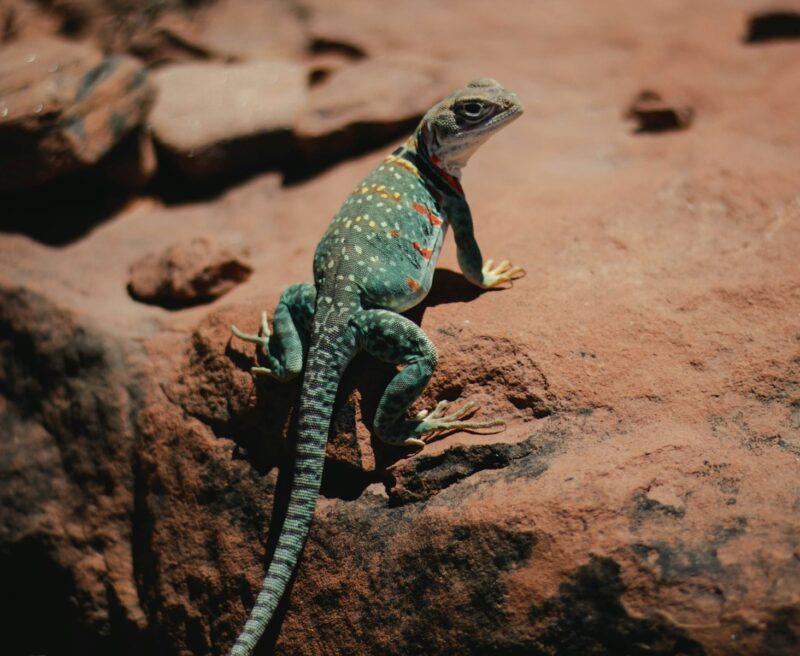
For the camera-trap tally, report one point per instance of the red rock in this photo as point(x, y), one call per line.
point(193, 272)
point(214, 118)
point(643, 498)
point(368, 102)
point(24, 20)
point(243, 30)
point(170, 39)
point(63, 106)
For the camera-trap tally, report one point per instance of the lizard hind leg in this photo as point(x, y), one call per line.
point(285, 346)
point(393, 338)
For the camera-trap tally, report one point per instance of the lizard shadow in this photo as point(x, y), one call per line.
point(448, 287)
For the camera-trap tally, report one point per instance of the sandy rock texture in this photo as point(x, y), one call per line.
point(645, 496)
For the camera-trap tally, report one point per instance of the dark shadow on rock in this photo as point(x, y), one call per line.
point(64, 210)
point(448, 287)
point(587, 616)
point(773, 26)
point(313, 156)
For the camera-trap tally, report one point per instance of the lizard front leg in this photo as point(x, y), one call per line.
point(393, 338)
point(470, 259)
point(284, 349)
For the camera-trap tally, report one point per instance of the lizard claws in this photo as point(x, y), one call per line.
point(503, 272)
point(439, 421)
point(262, 338)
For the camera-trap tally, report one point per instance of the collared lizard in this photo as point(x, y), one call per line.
point(377, 259)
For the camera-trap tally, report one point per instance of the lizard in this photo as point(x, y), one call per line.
point(376, 260)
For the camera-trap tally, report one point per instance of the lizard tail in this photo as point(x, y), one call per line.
point(332, 347)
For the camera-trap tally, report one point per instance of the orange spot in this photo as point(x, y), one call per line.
point(435, 220)
point(435, 160)
point(396, 195)
point(413, 285)
point(402, 163)
point(425, 252)
point(394, 233)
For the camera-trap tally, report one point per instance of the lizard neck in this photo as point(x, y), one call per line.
point(420, 150)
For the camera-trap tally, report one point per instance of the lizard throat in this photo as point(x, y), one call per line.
point(432, 165)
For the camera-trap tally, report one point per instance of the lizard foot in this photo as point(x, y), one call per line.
point(503, 272)
point(262, 339)
point(437, 421)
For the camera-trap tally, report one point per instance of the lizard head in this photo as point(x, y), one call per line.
point(453, 129)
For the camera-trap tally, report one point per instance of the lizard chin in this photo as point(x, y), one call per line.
point(456, 154)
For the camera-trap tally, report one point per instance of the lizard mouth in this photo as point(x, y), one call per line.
point(509, 114)
point(497, 120)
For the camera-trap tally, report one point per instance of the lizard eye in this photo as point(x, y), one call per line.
point(472, 110)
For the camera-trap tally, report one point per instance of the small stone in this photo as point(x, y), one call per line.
point(193, 272)
point(654, 114)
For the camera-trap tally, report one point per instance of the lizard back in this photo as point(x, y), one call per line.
point(383, 244)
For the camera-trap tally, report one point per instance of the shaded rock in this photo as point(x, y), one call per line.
point(348, 27)
point(212, 119)
point(773, 26)
point(170, 39)
point(20, 19)
point(132, 163)
point(366, 103)
point(108, 25)
point(654, 114)
point(184, 274)
point(172, 32)
point(63, 106)
point(66, 483)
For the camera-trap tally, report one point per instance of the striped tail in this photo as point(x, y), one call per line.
point(332, 347)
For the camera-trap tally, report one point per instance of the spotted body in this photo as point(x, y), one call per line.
point(384, 242)
point(377, 259)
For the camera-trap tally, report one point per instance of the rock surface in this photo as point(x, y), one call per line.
point(368, 102)
point(245, 30)
point(213, 118)
point(645, 496)
point(63, 106)
point(184, 274)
